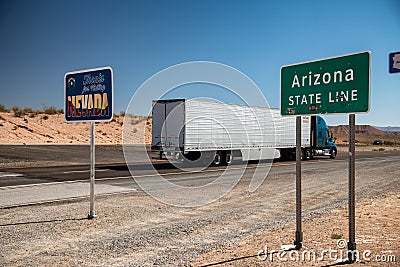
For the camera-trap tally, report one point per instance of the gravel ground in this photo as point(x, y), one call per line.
point(377, 232)
point(135, 230)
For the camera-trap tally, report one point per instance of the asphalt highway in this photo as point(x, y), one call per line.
point(117, 172)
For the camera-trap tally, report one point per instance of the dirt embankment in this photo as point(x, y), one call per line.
point(53, 129)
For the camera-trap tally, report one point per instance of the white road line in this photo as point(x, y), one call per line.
point(56, 183)
point(99, 170)
point(10, 174)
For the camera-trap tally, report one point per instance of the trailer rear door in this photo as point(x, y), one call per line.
point(168, 124)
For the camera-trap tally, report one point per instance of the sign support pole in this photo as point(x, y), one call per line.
point(92, 213)
point(299, 234)
point(351, 245)
point(79, 85)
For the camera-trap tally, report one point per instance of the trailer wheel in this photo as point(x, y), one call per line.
point(333, 153)
point(307, 154)
point(228, 158)
point(217, 158)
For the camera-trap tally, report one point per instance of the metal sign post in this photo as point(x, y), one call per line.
point(89, 97)
point(92, 213)
point(299, 234)
point(351, 245)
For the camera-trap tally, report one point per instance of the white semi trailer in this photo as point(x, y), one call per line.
point(216, 132)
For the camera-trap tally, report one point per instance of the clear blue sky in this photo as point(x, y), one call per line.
point(42, 40)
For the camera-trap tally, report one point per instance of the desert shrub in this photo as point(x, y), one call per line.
point(45, 117)
point(122, 113)
point(17, 111)
point(50, 110)
point(27, 110)
point(19, 114)
point(389, 143)
point(3, 108)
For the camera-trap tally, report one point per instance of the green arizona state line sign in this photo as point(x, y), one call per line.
point(335, 85)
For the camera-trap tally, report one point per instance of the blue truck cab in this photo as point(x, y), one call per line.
point(323, 143)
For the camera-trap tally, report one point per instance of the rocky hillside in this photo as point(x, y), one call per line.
point(364, 134)
point(43, 128)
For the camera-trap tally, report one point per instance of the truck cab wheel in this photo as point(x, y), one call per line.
point(333, 153)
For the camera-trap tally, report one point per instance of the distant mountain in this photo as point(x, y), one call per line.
point(365, 134)
point(388, 129)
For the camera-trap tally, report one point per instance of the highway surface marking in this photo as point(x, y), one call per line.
point(99, 170)
point(10, 174)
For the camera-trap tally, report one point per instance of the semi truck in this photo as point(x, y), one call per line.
point(197, 130)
